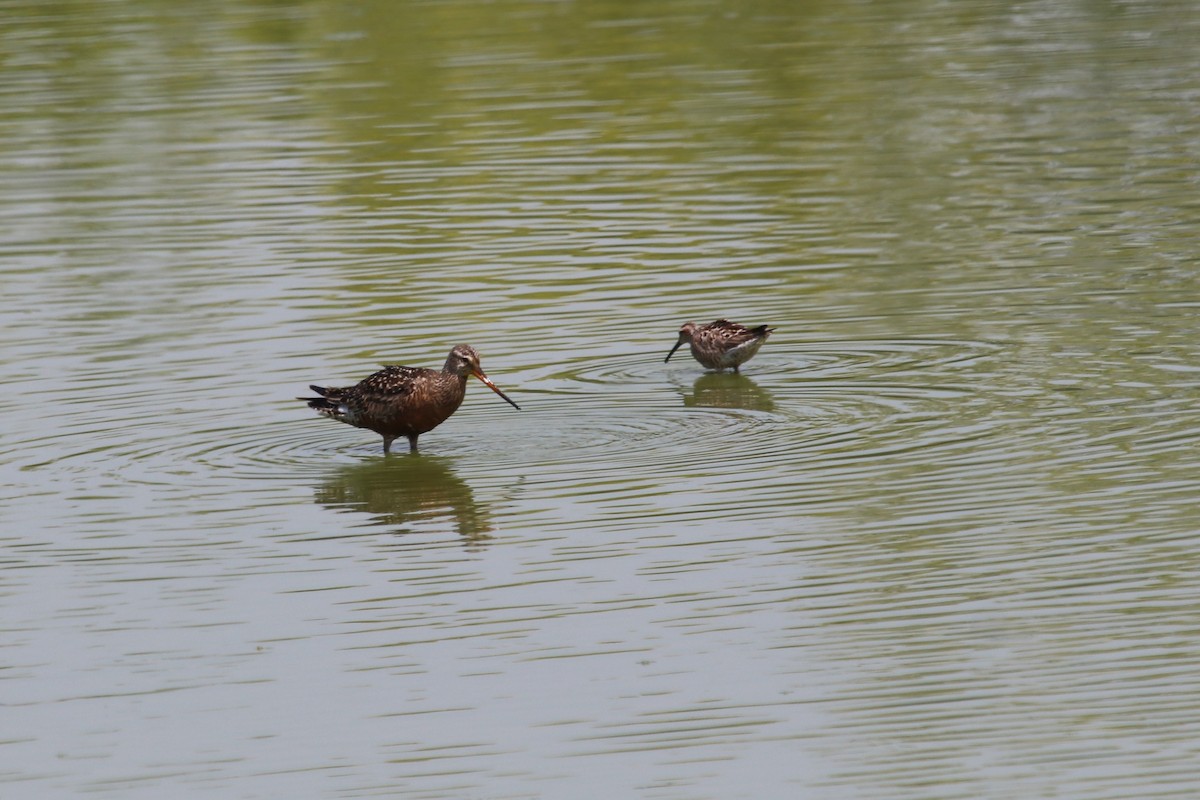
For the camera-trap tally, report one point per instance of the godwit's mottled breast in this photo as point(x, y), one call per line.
point(404, 401)
point(721, 344)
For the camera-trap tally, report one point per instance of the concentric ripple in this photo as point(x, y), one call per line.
point(681, 441)
point(604, 413)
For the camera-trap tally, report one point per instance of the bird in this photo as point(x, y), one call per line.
point(404, 401)
point(721, 344)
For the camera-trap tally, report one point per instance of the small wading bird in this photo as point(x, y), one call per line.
point(404, 401)
point(721, 344)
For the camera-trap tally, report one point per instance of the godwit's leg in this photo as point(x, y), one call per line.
point(412, 442)
point(387, 444)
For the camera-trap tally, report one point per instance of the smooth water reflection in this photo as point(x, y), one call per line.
point(728, 390)
point(406, 493)
point(935, 541)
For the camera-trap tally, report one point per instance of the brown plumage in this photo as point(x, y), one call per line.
point(404, 401)
point(721, 344)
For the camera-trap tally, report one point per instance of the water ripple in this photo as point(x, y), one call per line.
point(601, 413)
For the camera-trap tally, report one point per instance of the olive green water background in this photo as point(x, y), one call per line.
point(939, 539)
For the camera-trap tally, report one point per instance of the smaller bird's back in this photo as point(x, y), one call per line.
point(723, 344)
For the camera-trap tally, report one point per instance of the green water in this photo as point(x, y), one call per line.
point(935, 541)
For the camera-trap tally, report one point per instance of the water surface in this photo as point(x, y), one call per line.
point(935, 541)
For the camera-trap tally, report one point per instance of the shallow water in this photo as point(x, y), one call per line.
point(934, 541)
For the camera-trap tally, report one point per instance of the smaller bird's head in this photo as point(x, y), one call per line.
point(685, 335)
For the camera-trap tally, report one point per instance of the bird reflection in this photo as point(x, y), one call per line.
point(401, 492)
point(728, 390)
